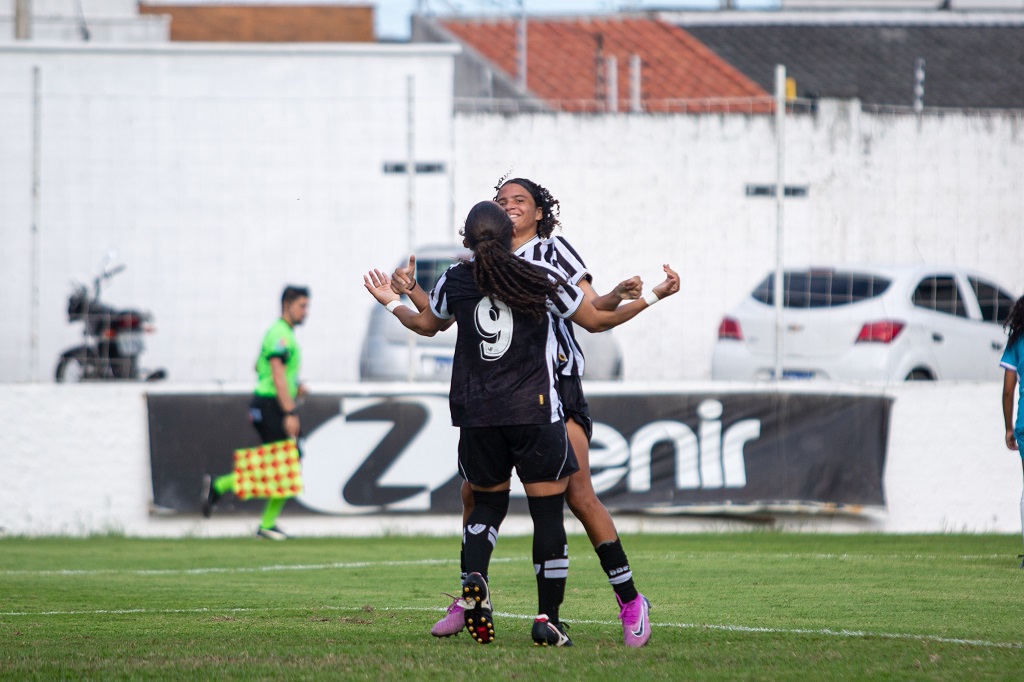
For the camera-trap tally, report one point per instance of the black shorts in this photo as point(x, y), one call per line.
point(268, 419)
point(537, 452)
point(574, 404)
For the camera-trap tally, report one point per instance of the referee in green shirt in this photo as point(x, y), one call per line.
point(273, 404)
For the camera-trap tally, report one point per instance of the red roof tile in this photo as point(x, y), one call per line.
point(565, 62)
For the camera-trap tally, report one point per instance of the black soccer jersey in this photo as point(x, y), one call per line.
point(558, 252)
point(505, 363)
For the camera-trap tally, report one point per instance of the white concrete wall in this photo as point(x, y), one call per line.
point(637, 191)
point(75, 461)
point(220, 173)
point(88, 8)
point(150, 28)
point(105, 21)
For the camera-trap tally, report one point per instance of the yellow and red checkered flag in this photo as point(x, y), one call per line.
point(270, 470)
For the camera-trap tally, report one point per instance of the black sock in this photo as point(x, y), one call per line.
point(616, 565)
point(480, 533)
point(550, 553)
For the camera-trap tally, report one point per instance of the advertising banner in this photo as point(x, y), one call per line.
point(672, 452)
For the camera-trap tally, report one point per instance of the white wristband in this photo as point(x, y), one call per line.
point(391, 306)
point(651, 297)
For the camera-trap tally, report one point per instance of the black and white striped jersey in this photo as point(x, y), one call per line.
point(505, 364)
point(558, 252)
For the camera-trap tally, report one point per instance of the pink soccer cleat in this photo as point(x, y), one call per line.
point(453, 620)
point(636, 623)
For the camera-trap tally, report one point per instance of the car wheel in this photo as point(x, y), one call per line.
point(920, 375)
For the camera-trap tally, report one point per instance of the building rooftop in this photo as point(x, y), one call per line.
point(567, 60)
point(967, 64)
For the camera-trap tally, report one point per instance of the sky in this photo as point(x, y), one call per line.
point(393, 15)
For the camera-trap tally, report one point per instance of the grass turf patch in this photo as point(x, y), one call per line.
point(734, 606)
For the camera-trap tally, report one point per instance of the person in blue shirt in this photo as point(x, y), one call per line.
point(1013, 362)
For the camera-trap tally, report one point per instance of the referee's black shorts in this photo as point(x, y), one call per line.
point(574, 404)
point(268, 419)
point(537, 452)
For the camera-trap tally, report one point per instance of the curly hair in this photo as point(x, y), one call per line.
point(1015, 322)
point(542, 197)
point(497, 272)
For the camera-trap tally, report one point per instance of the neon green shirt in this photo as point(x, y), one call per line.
point(278, 342)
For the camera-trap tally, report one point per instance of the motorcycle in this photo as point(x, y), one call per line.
point(114, 339)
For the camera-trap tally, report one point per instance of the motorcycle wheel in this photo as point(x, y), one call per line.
point(74, 368)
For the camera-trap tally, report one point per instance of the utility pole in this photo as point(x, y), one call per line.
point(918, 85)
point(22, 19)
point(780, 195)
point(521, 47)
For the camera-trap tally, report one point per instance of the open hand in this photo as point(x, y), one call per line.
point(379, 286)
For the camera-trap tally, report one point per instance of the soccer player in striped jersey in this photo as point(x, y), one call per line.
point(534, 213)
point(505, 402)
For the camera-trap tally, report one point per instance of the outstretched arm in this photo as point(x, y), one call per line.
point(627, 289)
point(594, 320)
point(424, 323)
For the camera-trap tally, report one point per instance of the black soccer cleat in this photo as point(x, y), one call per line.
point(272, 533)
point(546, 633)
point(476, 600)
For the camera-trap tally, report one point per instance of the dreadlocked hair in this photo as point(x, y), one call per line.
point(497, 272)
point(550, 208)
point(1015, 322)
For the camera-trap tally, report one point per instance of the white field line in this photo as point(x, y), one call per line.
point(826, 632)
point(243, 569)
point(445, 562)
point(764, 557)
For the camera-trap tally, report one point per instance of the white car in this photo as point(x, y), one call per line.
point(390, 352)
point(868, 324)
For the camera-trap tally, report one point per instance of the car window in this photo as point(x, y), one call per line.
point(994, 302)
point(822, 288)
point(429, 270)
point(941, 294)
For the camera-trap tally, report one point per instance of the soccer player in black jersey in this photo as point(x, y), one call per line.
point(504, 400)
point(534, 213)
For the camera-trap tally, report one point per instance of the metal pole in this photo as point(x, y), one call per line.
point(410, 174)
point(635, 84)
point(22, 19)
point(780, 195)
point(918, 85)
point(410, 165)
point(521, 47)
point(37, 149)
point(611, 79)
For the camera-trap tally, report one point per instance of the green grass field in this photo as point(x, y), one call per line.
point(736, 606)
